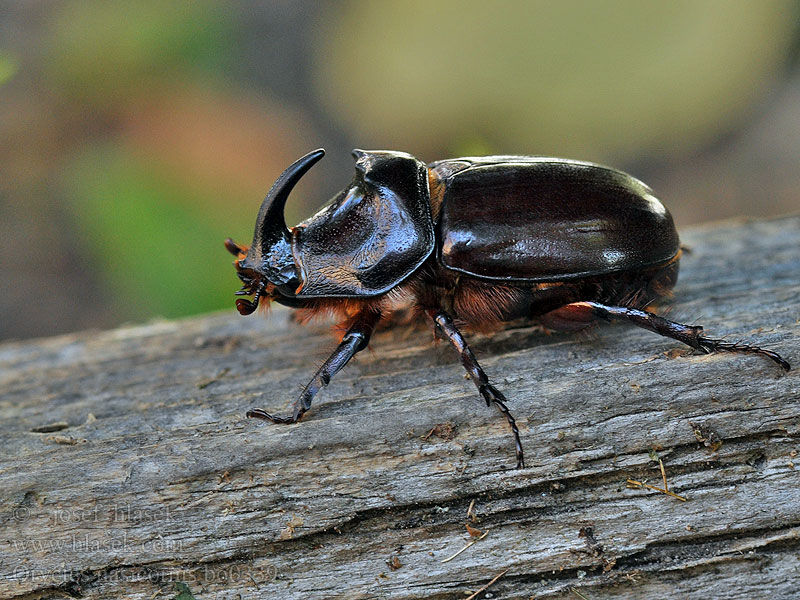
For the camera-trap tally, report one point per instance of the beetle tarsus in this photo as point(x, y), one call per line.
point(493, 396)
point(260, 413)
point(712, 345)
point(691, 335)
point(490, 394)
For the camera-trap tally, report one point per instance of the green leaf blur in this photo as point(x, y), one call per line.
point(102, 52)
point(157, 255)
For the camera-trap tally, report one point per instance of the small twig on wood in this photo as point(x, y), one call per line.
point(207, 382)
point(445, 431)
point(470, 512)
point(635, 483)
point(465, 547)
point(577, 593)
point(665, 490)
point(486, 587)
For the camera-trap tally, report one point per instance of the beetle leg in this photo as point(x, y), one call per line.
point(688, 334)
point(355, 340)
point(490, 393)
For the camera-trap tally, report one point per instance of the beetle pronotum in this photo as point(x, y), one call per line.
point(471, 242)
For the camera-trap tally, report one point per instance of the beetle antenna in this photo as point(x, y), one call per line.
point(233, 247)
point(248, 307)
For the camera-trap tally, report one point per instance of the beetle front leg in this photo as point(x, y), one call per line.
point(355, 340)
point(689, 335)
point(490, 394)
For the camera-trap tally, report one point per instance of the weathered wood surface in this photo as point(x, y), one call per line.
point(128, 465)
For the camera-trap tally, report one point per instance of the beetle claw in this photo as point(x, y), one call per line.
point(259, 413)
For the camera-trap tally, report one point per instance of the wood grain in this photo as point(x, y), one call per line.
point(128, 465)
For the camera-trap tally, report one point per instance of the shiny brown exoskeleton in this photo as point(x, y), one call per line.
point(474, 241)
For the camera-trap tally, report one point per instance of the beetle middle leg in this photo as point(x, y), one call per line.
point(355, 340)
point(688, 334)
point(490, 393)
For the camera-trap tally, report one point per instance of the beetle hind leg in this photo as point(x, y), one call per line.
point(688, 334)
point(355, 340)
point(490, 394)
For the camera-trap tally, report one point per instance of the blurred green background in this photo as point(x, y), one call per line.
point(136, 136)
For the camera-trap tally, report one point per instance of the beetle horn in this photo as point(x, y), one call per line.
point(271, 224)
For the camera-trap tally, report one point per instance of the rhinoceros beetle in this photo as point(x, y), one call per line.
point(475, 241)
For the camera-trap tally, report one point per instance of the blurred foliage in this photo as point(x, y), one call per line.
point(103, 53)
point(153, 249)
point(138, 135)
point(599, 80)
point(8, 67)
point(179, 164)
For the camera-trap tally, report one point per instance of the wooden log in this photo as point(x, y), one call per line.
point(129, 470)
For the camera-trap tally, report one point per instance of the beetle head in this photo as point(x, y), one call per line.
point(267, 267)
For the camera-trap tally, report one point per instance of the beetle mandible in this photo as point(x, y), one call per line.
point(476, 241)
